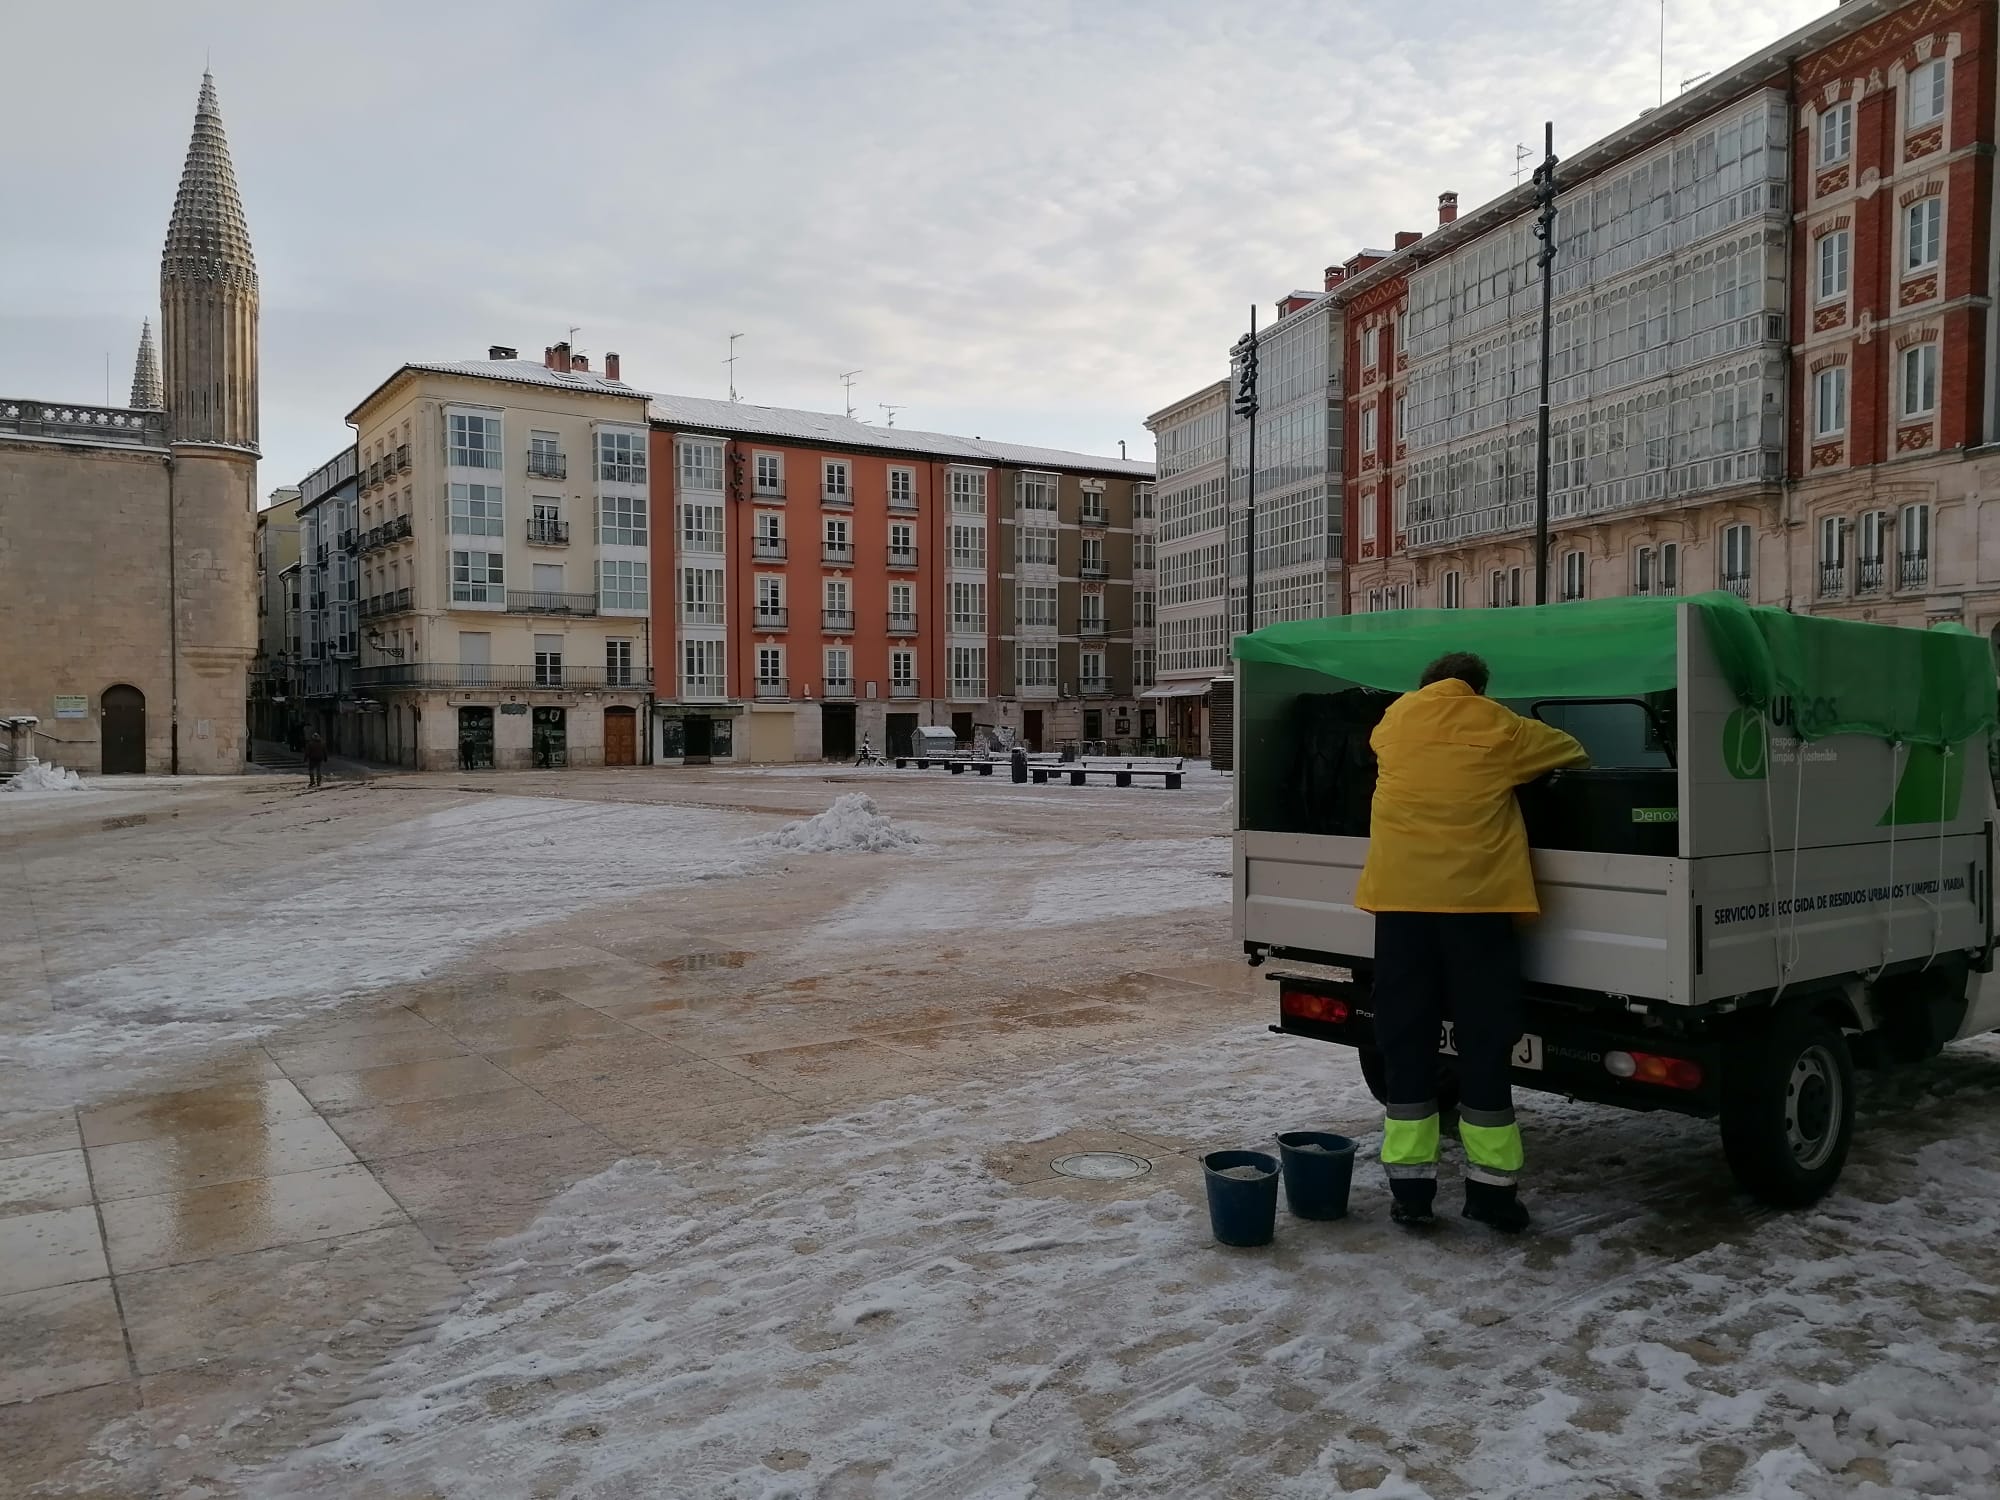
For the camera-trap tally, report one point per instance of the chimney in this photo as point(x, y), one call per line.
point(1447, 207)
point(1406, 238)
point(610, 366)
point(501, 351)
point(559, 356)
point(580, 363)
point(1334, 276)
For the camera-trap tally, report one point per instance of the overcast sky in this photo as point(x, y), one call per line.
point(1035, 220)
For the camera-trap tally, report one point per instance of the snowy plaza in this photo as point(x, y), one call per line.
point(606, 1134)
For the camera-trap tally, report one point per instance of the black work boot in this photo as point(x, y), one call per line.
point(1496, 1206)
point(1410, 1203)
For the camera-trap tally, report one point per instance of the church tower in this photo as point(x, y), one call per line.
point(208, 336)
point(208, 296)
point(146, 373)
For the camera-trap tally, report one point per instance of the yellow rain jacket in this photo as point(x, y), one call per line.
point(1445, 832)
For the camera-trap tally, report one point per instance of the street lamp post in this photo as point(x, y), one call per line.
point(1546, 188)
point(1246, 408)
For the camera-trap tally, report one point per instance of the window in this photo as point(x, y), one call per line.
point(1371, 346)
point(1402, 432)
point(836, 599)
point(476, 510)
point(1368, 518)
point(903, 603)
point(1575, 572)
point(548, 661)
point(545, 520)
point(621, 520)
point(1034, 667)
point(1920, 367)
point(1836, 133)
point(617, 662)
point(1451, 591)
point(770, 534)
point(475, 442)
point(839, 670)
point(834, 483)
point(1503, 588)
point(770, 666)
point(1032, 545)
point(1142, 609)
point(902, 671)
point(968, 547)
point(839, 544)
point(701, 669)
point(701, 526)
point(478, 578)
point(1035, 604)
point(968, 671)
point(968, 498)
point(1093, 557)
point(1830, 402)
point(1870, 552)
point(1833, 265)
point(1832, 556)
point(1368, 429)
point(1913, 546)
point(544, 456)
point(700, 596)
point(1927, 93)
point(770, 474)
point(621, 457)
point(1736, 559)
point(621, 584)
point(903, 540)
point(968, 608)
point(1091, 607)
point(1035, 492)
point(1094, 680)
point(1142, 667)
point(770, 594)
point(903, 487)
point(701, 465)
point(1922, 225)
point(1143, 559)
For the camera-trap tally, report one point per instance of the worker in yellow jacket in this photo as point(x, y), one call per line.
point(1447, 876)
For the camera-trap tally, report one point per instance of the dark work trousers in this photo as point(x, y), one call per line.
point(1464, 967)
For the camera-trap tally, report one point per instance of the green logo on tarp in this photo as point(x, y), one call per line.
point(1746, 745)
point(1656, 815)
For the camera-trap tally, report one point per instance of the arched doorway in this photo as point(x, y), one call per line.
point(122, 731)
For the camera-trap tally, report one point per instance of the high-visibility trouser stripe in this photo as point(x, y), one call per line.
point(1410, 1142)
point(1407, 1171)
point(1492, 1144)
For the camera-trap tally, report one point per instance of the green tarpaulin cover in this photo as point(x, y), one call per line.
point(1921, 687)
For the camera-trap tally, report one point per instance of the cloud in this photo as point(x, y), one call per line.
point(1039, 221)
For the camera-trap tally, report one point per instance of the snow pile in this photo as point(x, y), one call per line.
point(854, 824)
point(39, 776)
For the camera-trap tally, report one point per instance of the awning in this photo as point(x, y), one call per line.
point(1178, 689)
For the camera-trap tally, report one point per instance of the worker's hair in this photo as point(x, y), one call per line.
point(1462, 665)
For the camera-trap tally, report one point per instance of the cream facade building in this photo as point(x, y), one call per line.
point(128, 587)
point(502, 540)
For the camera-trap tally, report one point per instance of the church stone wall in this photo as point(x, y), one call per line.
point(215, 529)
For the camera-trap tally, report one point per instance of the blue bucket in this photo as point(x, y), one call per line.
point(1242, 1208)
point(1319, 1169)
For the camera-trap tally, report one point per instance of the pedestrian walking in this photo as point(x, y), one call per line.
point(1447, 878)
point(315, 758)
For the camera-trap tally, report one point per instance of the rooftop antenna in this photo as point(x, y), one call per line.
point(1522, 156)
point(731, 362)
point(1688, 83)
point(1663, 51)
point(847, 381)
point(889, 411)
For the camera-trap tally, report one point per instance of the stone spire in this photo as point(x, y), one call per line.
point(208, 296)
point(146, 373)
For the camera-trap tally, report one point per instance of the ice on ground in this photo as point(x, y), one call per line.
point(37, 777)
point(867, 1298)
point(853, 825)
point(216, 956)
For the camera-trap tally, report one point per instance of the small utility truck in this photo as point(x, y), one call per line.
point(1778, 864)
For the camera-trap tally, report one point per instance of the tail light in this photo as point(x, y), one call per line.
point(1653, 1068)
point(1305, 1005)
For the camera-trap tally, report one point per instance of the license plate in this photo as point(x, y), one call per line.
point(1527, 1052)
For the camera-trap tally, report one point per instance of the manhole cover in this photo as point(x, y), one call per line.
point(1102, 1166)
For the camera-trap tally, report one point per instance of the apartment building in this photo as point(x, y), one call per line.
point(503, 544)
point(1191, 451)
point(826, 581)
point(330, 600)
point(274, 668)
point(1771, 356)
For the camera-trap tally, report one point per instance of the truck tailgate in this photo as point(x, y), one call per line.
point(1612, 923)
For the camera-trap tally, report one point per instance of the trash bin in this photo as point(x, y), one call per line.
point(1319, 1169)
point(1020, 763)
point(1242, 1196)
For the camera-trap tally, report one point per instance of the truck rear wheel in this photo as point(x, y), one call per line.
point(1788, 1108)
